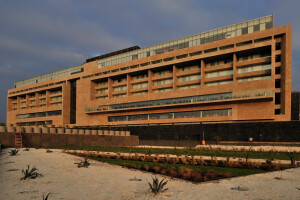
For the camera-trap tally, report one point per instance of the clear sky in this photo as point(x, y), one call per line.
point(42, 36)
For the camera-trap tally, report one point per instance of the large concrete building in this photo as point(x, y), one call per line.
point(239, 73)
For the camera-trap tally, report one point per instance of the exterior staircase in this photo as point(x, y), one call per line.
point(18, 140)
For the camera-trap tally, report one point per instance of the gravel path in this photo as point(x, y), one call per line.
point(102, 181)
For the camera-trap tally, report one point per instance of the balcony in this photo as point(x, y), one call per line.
point(218, 67)
point(260, 60)
point(154, 87)
point(218, 78)
point(188, 82)
point(190, 72)
point(253, 74)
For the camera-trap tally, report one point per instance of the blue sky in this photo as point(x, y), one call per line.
point(38, 37)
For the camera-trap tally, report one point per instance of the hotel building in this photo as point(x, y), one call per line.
point(239, 73)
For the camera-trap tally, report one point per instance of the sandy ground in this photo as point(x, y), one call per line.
point(102, 181)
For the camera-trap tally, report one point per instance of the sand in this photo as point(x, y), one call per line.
point(102, 181)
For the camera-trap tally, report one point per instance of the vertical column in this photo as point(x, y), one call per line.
point(202, 64)
point(150, 82)
point(129, 86)
point(234, 68)
point(48, 93)
point(66, 103)
point(27, 101)
point(37, 100)
point(174, 78)
point(110, 87)
point(18, 103)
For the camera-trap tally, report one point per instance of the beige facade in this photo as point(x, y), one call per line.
point(236, 79)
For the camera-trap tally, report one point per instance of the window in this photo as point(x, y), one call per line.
point(256, 27)
point(278, 46)
point(277, 98)
point(278, 70)
point(277, 83)
point(278, 58)
point(277, 111)
point(134, 57)
point(244, 30)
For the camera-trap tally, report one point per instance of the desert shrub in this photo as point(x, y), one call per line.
point(292, 158)
point(156, 169)
point(83, 163)
point(157, 186)
point(30, 173)
point(26, 149)
point(185, 173)
point(172, 172)
point(13, 152)
point(163, 171)
point(210, 174)
point(48, 151)
point(146, 167)
point(196, 175)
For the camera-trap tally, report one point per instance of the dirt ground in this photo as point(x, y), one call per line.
point(64, 180)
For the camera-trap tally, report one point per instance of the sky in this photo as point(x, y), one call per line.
point(42, 36)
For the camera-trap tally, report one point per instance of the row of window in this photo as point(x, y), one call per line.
point(219, 73)
point(256, 78)
point(254, 68)
point(174, 115)
point(189, 78)
point(38, 123)
point(39, 114)
point(202, 38)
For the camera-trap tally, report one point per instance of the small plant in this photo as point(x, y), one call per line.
point(46, 197)
point(292, 158)
point(156, 186)
point(84, 163)
point(49, 151)
point(30, 173)
point(26, 149)
point(14, 152)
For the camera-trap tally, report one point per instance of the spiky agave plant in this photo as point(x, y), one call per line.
point(156, 186)
point(14, 152)
point(46, 197)
point(30, 173)
point(84, 163)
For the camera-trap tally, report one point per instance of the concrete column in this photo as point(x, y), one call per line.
point(110, 89)
point(75, 131)
point(87, 132)
point(150, 82)
point(202, 73)
point(81, 131)
point(174, 78)
point(234, 68)
point(2, 129)
point(122, 133)
point(28, 130)
point(68, 131)
point(60, 130)
point(94, 132)
point(117, 133)
point(129, 85)
point(19, 129)
point(52, 130)
point(37, 130)
point(127, 133)
point(106, 132)
point(45, 130)
point(100, 132)
point(111, 132)
point(11, 129)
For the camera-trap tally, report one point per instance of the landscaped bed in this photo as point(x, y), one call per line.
point(189, 167)
point(195, 152)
